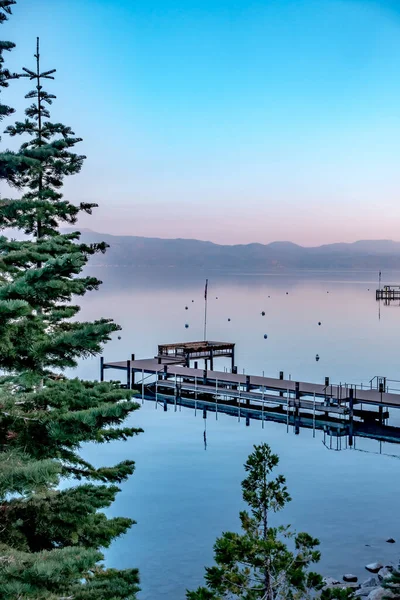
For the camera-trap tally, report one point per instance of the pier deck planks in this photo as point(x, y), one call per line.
point(152, 366)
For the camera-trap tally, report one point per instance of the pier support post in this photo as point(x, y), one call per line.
point(175, 393)
point(101, 368)
point(128, 374)
point(296, 408)
point(196, 364)
point(216, 399)
point(297, 400)
point(382, 386)
point(165, 372)
point(281, 378)
point(234, 372)
point(211, 360)
point(233, 359)
point(351, 414)
point(247, 420)
point(247, 389)
point(205, 377)
point(132, 372)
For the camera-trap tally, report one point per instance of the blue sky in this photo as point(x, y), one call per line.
point(233, 121)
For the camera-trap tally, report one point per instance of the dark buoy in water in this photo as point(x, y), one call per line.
point(319, 322)
point(263, 313)
point(192, 300)
point(265, 336)
point(228, 319)
point(186, 307)
point(216, 297)
point(287, 293)
point(187, 326)
point(317, 357)
point(269, 296)
point(119, 337)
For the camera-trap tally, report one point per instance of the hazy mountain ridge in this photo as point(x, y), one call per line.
point(138, 251)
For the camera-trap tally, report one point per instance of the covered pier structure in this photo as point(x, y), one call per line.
point(185, 352)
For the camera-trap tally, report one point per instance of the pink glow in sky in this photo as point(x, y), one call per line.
point(231, 122)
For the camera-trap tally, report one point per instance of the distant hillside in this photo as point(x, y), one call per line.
point(194, 254)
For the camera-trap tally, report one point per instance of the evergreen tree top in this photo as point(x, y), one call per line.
point(50, 145)
point(45, 272)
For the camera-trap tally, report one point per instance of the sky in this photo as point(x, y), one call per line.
point(234, 121)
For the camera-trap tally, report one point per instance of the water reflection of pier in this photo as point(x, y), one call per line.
point(341, 411)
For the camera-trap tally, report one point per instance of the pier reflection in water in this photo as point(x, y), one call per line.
point(336, 435)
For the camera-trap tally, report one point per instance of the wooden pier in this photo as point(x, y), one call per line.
point(388, 292)
point(169, 378)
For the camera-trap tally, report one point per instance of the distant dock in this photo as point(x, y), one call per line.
point(169, 378)
point(388, 292)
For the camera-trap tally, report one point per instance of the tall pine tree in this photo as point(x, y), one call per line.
point(51, 538)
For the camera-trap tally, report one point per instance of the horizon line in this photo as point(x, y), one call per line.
point(147, 237)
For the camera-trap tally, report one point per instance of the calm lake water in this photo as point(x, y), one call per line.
point(183, 495)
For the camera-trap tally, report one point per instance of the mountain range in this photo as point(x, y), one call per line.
point(134, 251)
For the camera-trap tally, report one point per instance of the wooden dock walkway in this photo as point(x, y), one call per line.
point(341, 393)
point(345, 410)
